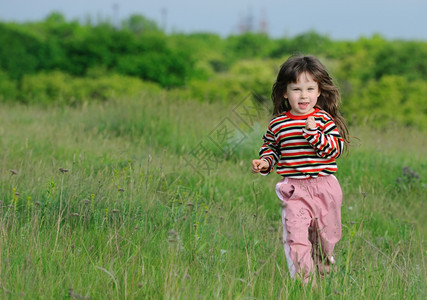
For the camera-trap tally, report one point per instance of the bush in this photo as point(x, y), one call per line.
point(392, 99)
point(248, 45)
point(256, 76)
point(60, 88)
point(8, 88)
point(222, 88)
point(54, 87)
point(19, 52)
point(113, 86)
point(169, 69)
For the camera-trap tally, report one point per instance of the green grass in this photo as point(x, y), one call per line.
point(139, 214)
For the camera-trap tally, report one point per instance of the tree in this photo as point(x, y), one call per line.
point(248, 45)
point(139, 24)
point(19, 53)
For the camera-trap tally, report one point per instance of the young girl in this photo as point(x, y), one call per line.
point(303, 140)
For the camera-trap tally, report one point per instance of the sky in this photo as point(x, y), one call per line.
point(338, 19)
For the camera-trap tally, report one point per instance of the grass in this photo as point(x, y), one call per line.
point(137, 212)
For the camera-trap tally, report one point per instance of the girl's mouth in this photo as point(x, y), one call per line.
point(303, 105)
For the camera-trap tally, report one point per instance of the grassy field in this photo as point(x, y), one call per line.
point(152, 198)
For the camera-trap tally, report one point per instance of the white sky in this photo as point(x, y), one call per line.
point(340, 19)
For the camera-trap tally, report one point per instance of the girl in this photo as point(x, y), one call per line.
point(303, 140)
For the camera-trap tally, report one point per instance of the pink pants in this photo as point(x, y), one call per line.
point(311, 218)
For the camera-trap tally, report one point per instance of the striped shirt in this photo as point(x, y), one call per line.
point(299, 152)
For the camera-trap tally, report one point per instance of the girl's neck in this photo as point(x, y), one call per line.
point(301, 117)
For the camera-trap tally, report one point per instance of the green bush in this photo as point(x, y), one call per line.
point(248, 45)
point(8, 88)
point(168, 69)
point(406, 59)
point(54, 87)
point(221, 88)
point(60, 88)
point(392, 99)
point(18, 52)
point(244, 77)
point(155, 59)
point(113, 86)
point(256, 76)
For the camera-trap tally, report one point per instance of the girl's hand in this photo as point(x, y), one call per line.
point(310, 123)
point(259, 165)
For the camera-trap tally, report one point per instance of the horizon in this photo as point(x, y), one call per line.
point(337, 19)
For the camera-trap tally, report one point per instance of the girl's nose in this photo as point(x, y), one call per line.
point(304, 94)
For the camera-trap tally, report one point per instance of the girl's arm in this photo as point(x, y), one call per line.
point(270, 151)
point(327, 143)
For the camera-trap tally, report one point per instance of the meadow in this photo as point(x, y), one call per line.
point(152, 197)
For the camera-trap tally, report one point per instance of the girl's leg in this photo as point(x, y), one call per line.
point(328, 224)
point(321, 260)
point(310, 204)
point(297, 243)
point(296, 219)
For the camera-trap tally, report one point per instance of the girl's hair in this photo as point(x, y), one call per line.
point(329, 99)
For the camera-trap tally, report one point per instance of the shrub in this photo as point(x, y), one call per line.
point(53, 87)
point(8, 88)
point(390, 99)
point(18, 52)
point(256, 76)
point(222, 88)
point(60, 88)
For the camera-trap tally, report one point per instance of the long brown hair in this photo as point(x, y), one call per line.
point(329, 99)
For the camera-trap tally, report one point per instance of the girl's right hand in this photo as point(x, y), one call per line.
point(259, 165)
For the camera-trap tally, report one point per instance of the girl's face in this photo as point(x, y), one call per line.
point(302, 95)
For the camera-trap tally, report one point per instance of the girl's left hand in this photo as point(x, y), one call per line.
point(310, 123)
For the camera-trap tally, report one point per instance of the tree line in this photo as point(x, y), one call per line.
point(53, 58)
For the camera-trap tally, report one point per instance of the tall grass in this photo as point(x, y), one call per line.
point(113, 201)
